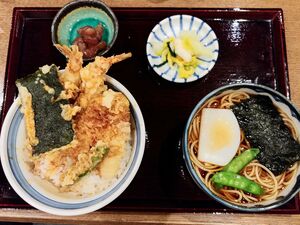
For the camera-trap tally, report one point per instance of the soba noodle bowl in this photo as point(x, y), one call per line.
point(254, 171)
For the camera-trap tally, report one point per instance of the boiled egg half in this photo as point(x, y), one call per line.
point(219, 137)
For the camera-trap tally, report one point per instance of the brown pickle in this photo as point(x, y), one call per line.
point(90, 40)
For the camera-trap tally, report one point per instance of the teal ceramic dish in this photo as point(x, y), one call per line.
point(82, 13)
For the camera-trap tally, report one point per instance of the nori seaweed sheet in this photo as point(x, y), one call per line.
point(52, 130)
point(264, 129)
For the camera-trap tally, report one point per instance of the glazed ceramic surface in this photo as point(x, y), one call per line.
point(77, 14)
point(173, 26)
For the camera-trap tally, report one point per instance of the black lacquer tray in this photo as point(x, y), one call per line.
point(252, 49)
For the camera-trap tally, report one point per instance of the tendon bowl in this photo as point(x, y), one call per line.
point(40, 193)
point(282, 103)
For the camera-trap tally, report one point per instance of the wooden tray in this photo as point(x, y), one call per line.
point(252, 49)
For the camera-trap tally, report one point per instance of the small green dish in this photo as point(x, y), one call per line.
point(77, 14)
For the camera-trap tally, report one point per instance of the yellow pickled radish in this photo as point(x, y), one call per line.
point(182, 52)
point(186, 71)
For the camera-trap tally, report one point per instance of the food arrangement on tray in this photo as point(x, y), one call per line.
point(240, 143)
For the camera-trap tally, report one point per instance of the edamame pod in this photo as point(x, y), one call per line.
point(237, 181)
point(242, 160)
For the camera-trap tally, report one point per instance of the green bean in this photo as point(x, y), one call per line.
point(239, 162)
point(237, 181)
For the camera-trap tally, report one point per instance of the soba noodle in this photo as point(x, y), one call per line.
point(254, 171)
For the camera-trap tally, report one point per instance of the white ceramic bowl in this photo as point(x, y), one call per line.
point(281, 102)
point(171, 27)
point(36, 192)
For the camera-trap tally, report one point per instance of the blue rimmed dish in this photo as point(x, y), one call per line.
point(172, 27)
point(281, 102)
point(41, 194)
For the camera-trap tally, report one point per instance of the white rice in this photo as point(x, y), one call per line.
point(93, 183)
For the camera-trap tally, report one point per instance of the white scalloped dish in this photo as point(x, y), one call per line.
point(182, 48)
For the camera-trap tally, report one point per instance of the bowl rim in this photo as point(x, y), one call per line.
point(188, 162)
point(117, 188)
point(77, 4)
